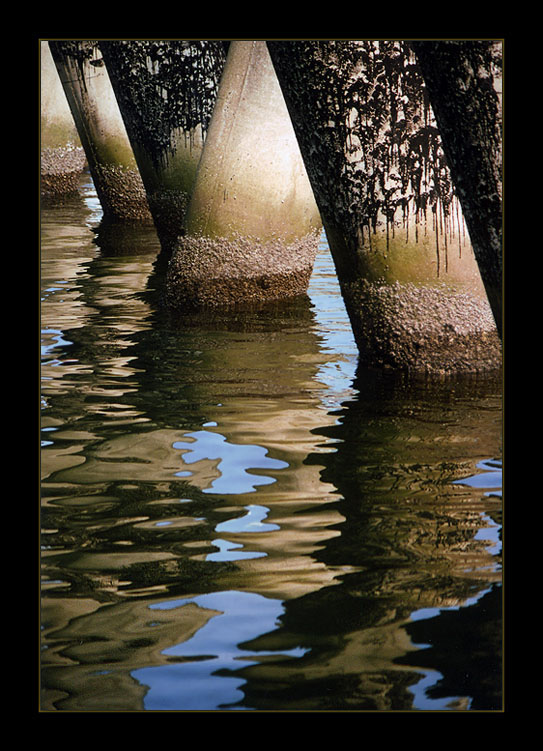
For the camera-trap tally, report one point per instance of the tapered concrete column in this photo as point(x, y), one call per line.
point(252, 225)
point(62, 156)
point(166, 91)
point(464, 81)
point(101, 129)
point(409, 278)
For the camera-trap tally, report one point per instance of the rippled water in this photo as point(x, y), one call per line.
point(236, 518)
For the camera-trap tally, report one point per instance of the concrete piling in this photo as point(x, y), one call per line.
point(101, 129)
point(464, 81)
point(394, 147)
point(252, 225)
point(166, 91)
point(62, 158)
point(373, 152)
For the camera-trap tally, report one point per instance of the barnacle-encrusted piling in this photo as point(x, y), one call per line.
point(166, 91)
point(373, 153)
point(101, 129)
point(464, 81)
point(252, 226)
point(62, 155)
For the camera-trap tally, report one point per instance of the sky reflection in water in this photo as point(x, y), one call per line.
point(215, 647)
point(234, 461)
point(358, 494)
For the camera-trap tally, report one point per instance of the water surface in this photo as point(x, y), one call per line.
point(235, 517)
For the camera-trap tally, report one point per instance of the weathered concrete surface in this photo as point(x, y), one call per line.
point(62, 155)
point(464, 82)
point(252, 226)
point(166, 91)
point(373, 153)
point(101, 129)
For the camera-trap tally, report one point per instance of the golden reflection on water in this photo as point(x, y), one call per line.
point(187, 459)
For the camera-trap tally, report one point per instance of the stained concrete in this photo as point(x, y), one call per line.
point(252, 226)
point(464, 81)
point(402, 251)
point(166, 90)
point(101, 129)
point(62, 155)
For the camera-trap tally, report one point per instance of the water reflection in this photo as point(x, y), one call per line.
point(231, 462)
point(234, 518)
point(202, 684)
point(421, 545)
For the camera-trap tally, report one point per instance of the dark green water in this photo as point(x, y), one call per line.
point(234, 518)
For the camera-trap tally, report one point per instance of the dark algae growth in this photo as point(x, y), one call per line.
point(464, 82)
point(381, 179)
point(166, 86)
point(387, 155)
point(166, 92)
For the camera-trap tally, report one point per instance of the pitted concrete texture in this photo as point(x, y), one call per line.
point(434, 329)
point(210, 273)
point(61, 169)
point(122, 194)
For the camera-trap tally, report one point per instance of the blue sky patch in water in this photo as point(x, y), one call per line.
point(252, 521)
point(195, 684)
point(490, 478)
point(231, 551)
point(234, 461)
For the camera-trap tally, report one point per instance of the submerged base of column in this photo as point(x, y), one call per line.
point(61, 169)
point(168, 208)
point(222, 272)
point(121, 193)
point(422, 328)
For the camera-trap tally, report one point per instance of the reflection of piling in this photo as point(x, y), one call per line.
point(252, 226)
point(373, 153)
point(166, 91)
point(62, 156)
point(131, 637)
point(412, 538)
point(101, 129)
